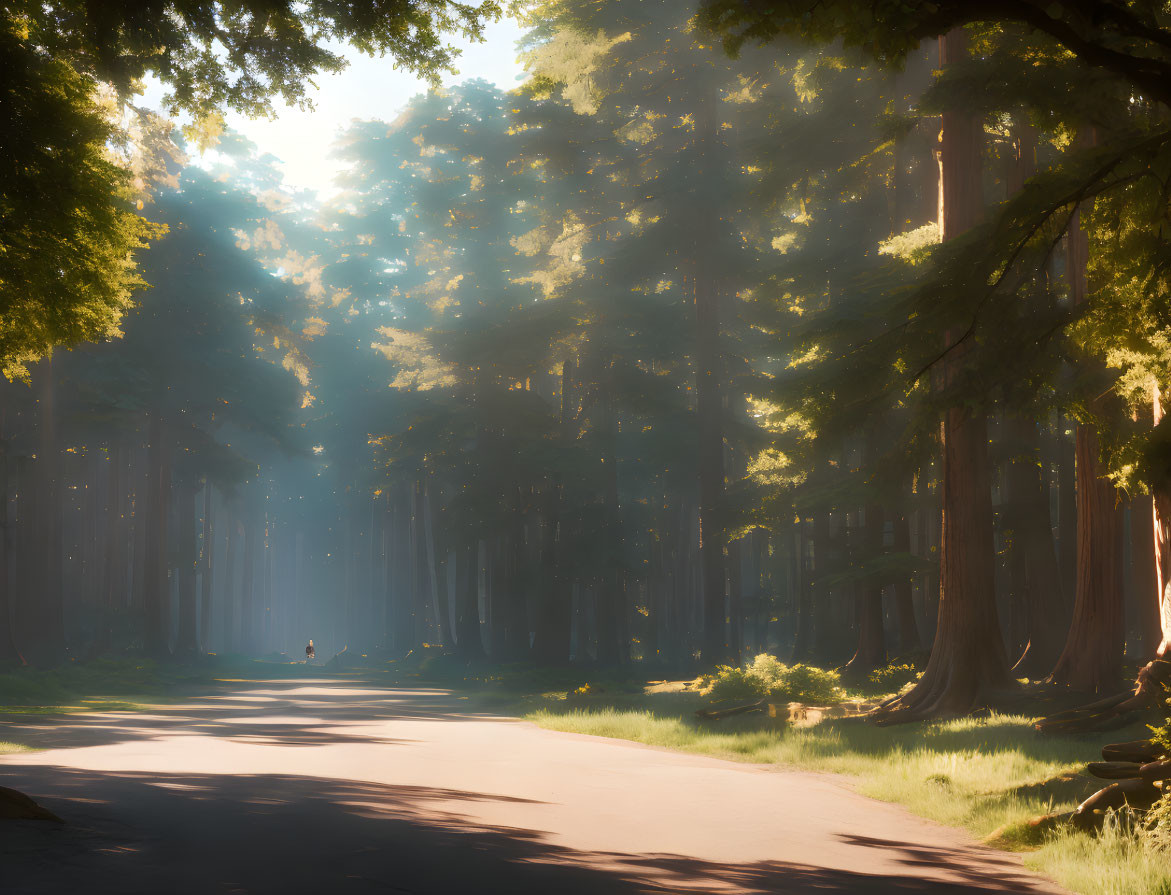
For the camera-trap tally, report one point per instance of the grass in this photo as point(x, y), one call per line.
point(985, 775)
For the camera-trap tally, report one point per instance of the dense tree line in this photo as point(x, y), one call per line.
point(844, 349)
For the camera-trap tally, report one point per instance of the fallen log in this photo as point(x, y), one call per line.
point(1117, 710)
point(718, 714)
point(15, 805)
point(1141, 751)
point(1155, 771)
point(1115, 770)
point(1137, 794)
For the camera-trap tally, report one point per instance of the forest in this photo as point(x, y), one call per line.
point(830, 337)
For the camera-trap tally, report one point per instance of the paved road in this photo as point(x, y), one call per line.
point(329, 786)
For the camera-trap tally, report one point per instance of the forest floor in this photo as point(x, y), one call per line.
point(290, 780)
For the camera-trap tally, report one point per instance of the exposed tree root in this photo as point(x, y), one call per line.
point(1117, 710)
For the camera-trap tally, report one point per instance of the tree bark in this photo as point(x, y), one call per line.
point(248, 590)
point(9, 653)
point(228, 612)
point(1092, 658)
point(871, 650)
point(909, 639)
point(156, 585)
point(207, 569)
point(1144, 581)
point(1038, 593)
point(467, 603)
point(802, 590)
point(48, 643)
point(186, 645)
point(709, 405)
point(968, 659)
point(554, 612)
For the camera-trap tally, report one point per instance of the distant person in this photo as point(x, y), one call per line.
point(310, 653)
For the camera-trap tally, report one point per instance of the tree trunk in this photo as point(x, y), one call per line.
point(554, 612)
point(1043, 613)
point(467, 603)
point(1161, 520)
point(909, 639)
point(968, 659)
point(1067, 508)
point(871, 651)
point(49, 637)
point(1092, 658)
point(207, 569)
point(1144, 578)
point(156, 584)
point(711, 469)
point(735, 601)
point(185, 641)
point(802, 590)
point(248, 591)
point(609, 594)
point(9, 654)
point(436, 571)
point(228, 612)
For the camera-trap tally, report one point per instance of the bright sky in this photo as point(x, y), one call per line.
point(368, 88)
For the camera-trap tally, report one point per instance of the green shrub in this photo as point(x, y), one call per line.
point(767, 676)
point(894, 676)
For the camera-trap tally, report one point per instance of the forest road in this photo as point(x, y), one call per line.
point(337, 786)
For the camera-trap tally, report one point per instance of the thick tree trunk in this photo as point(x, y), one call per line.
point(1092, 658)
point(1161, 521)
point(1144, 580)
point(968, 659)
point(1153, 679)
point(156, 584)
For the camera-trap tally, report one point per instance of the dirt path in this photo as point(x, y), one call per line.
point(334, 787)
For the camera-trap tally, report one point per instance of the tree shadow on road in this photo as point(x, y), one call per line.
point(131, 833)
point(311, 712)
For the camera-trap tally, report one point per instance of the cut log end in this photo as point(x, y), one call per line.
point(1135, 794)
